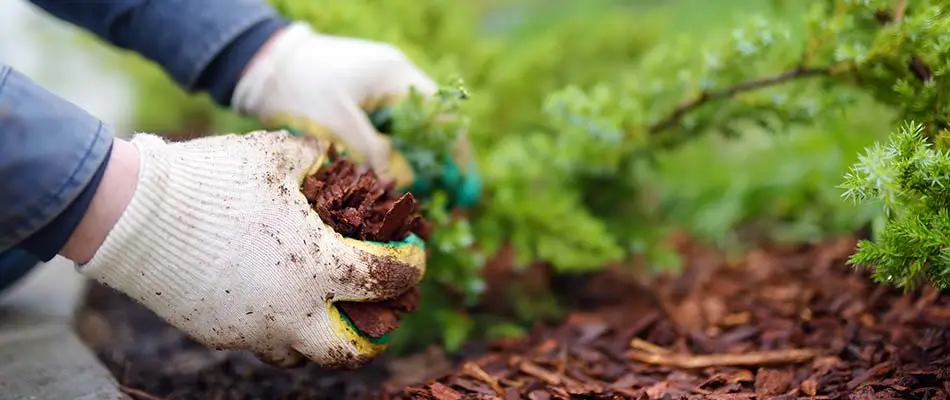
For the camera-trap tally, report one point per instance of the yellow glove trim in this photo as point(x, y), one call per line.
point(409, 254)
point(400, 170)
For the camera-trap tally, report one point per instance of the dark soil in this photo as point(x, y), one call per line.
point(360, 206)
point(146, 355)
point(780, 323)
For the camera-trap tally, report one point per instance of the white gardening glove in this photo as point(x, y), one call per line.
point(219, 241)
point(326, 85)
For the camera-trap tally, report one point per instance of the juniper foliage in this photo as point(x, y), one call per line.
point(910, 178)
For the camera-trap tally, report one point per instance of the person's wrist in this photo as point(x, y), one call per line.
point(252, 93)
point(221, 75)
point(115, 191)
point(263, 50)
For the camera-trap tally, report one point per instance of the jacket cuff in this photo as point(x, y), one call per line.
point(47, 242)
point(50, 151)
point(223, 74)
point(186, 36)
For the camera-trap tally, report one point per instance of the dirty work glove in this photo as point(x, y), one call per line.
point(219, 241)
point(327, 86)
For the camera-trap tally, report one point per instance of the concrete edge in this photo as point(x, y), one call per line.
point(41, 354)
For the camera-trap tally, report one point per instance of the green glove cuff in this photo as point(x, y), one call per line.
point(463, 190)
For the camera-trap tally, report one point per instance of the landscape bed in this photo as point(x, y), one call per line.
point(782, 322)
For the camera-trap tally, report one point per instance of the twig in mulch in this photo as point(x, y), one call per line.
point(647, 347)
point(877, 370)
point(756, 358)
point(473, 370)
point(138, 393)
point(551, 378)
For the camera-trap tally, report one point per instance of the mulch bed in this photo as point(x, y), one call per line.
point(780, 323)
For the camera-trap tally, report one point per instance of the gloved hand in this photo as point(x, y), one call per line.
point(325, 86)
point(219, 241)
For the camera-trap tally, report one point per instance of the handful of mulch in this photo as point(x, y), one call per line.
point(359, 205)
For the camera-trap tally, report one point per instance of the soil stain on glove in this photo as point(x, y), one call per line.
point(360, 206)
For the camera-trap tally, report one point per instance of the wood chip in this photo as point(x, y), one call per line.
point(756, 359)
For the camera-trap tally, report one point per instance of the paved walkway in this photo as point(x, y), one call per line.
point(40, 355)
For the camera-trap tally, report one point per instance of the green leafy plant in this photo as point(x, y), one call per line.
point(425, 131)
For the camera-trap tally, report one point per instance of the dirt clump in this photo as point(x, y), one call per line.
point(359, 205)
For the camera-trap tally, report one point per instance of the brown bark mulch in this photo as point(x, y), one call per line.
point(780, 323)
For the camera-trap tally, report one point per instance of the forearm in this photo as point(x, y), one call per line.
point(203, 45)
point(52, 158)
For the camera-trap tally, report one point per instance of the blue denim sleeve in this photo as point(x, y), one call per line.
point(52, 155)
point(202, 44)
